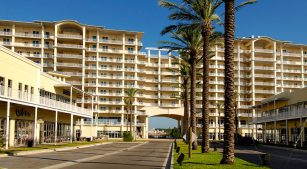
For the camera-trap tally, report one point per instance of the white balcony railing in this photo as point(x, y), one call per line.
point(28, 97)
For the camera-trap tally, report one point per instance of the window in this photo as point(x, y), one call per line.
point(35, 43)
point(130, 50)
point(103, 91)
point(7, 30)
point(36, 33)
point(94, 37)
point(104, 67)
point(47, 34)
point(103, 99)
point(105, 48)
point(105, 38)
point(6, 41)
point(104, 58)
point(47, 44)
point(36, 53)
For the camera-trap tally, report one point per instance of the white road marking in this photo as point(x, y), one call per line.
point(67, 164)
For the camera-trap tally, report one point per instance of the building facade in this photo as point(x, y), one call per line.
point(105, 62)
point(36, 107)
point(283, 118)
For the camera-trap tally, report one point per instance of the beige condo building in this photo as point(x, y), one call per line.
point(105, 62)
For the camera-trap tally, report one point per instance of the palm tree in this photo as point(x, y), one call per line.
point(188, 42)
point(229, 94)
point(184, 73)
point(219, 108)
point(199, 14)
point(129, 100)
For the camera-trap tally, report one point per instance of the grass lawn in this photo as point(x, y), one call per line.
point(208, 160)
point(50, 146)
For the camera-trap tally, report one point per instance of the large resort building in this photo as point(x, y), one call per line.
point(105, 62)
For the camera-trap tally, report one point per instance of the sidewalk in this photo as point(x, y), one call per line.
point(49, 148)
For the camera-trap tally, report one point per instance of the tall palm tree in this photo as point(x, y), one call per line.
point(229, 84)
point(219, 108)
point(184, 73)
point(199, 14)
point(129, 100)
point(188, 42)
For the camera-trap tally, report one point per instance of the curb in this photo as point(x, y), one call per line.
point(284, 148)
point(52, 150)
point(167, 164)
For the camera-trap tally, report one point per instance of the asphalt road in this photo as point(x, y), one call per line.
point(280, 158)
point(115, 155)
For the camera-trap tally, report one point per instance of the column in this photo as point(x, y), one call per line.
point(55, 44)
point(71, 126)
point(35, 134)
point(13, 37)
point(92, 120)
point(287, 140)
point(302, 68)
point(282, 69)
point(159, 78)
point(56, 127)
point(301, 131)
point(43, 45)
point(275, 68)
point(8, 107)
point(146, 128)
point(264, 133)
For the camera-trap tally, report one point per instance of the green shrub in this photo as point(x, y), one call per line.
point(127, 136)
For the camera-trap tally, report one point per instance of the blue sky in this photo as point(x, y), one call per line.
point(280, 19)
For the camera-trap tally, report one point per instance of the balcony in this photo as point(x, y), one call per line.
point(45, 102)
point(28, 35)
point(73, 56)
point(113, 41)
point(281, 116)
point(263, 68)
point(169, 105)
point(69, 65)
point(28, 45)
point(74, 82)
point(264, 50)
point(263, 59)
point(72, 46)
point(51, 65)
point(264, 83)
point(265, 91)
point(5, 33)
point(69, 36)
point(264, 76)
point(72, 73)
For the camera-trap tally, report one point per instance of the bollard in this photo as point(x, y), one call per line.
point(215, 148)
point(178, 150)
point(180, 158)
point(265, 158)
point(175, 144)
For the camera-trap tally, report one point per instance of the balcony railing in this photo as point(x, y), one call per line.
point(281, 116)
point(69, 36)
point(28, 35)
point(70, 46)
point(75, 56)
point(28, 97)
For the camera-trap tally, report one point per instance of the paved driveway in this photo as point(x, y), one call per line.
point(280, 158)
point(108, 156)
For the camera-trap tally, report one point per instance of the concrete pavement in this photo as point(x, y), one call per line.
point(115, 155)
point(281, 158)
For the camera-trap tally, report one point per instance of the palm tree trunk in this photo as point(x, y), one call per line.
point(219, 120)
point(186, 107)
point(131, 119)
point(205, 99)
point(193, 96)
point(228, 149)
